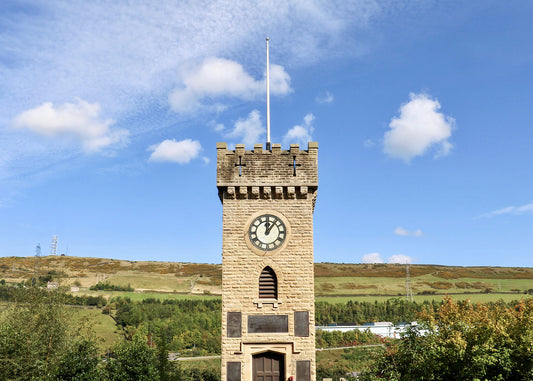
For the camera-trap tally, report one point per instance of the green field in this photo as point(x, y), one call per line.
point(138, 296)
point(475, 298)
point(103, 326)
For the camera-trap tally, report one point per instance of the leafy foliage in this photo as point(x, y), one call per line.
point(336, 339)
point(463, 341)
point(9, 293)
point(395, 310)
point(188, 324)
point(132, 361)
point(35, 335)
point(105, 286)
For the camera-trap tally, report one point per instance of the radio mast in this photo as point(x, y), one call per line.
point(53, 246)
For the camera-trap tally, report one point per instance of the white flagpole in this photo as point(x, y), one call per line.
point(268, 98)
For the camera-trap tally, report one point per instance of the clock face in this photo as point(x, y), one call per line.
point(267, 232)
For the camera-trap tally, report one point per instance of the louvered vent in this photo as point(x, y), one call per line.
point(268, 284)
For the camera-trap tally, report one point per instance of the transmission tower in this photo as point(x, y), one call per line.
point(53, 246)
point(408, 290)
point(36, 264)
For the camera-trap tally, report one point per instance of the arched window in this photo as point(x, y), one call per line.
point(268, 284)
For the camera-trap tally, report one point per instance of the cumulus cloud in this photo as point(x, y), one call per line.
point(181, 152)
point(217, 78)
point(80, 120)
point(326, 97)
point(248, 130)
point(405, 232)
point(419, 127)
point(372, 258)
point(400, 258)
point(510, 210)
point(301, 134)
point(376, 258)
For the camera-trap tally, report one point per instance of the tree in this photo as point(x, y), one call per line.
point(34, 333)
point(463, 341)
point(132, 361)
point(78, 363)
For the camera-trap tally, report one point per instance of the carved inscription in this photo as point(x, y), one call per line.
point(268, 323)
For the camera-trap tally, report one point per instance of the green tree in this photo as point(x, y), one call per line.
point(132, 361)
point(463, 341)
point(34, 333)
point(78, 363)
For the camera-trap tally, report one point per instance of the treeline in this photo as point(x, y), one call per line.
point(353, 312)
point(188, 325)
point(334, 339)
point(105, 286)
point(9, 294)
point(394, 310)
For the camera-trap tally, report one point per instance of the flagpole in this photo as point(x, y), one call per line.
point(268, 97)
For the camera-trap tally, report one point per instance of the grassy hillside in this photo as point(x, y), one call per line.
point(332, 280)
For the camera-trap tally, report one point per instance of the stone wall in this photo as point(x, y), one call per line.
point(267, 185)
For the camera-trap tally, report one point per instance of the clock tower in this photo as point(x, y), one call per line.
point(268, 315)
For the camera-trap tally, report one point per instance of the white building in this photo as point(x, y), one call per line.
point(382, 328)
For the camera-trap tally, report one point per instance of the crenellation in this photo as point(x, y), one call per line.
point(262, 167)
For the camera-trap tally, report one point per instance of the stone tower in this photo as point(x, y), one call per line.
point(268, 315)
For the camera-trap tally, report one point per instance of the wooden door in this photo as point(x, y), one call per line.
point(268, 366)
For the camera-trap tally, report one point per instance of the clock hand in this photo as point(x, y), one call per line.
point(267, 226)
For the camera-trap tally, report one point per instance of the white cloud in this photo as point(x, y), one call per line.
point(126, 56)
point(80, 120)
point(218, 78)
point(249, 130)
point(405, 232)
point(400, 258)
point(418, 128)
point(301, 134)
point(369, 143)
point(326, 97)
point(180, 152)
point(372, 258)
point(376, 258)
point(511, 210)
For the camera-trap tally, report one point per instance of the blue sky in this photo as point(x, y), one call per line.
point(110, 113)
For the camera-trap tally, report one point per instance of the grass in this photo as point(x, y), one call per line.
point(475, 298)
point(166, 280)
point(139, 296)
point(351, 359)
point(103, 326)
point(214, 364)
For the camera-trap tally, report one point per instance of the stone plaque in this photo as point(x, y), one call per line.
point(303, 370)
point(301, 323)
point(234, 324)
point(268, 324)
point(233, 371)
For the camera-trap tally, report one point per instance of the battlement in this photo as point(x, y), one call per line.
point(267, 168)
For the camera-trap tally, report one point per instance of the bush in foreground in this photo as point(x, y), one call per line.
point(463, 341)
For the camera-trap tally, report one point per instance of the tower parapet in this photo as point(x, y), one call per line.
point(260, 173)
